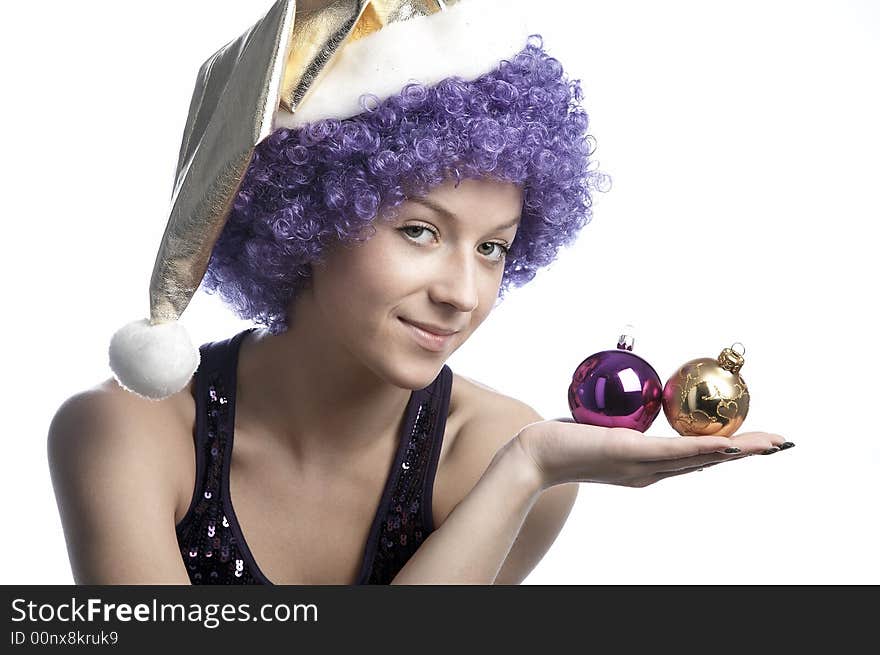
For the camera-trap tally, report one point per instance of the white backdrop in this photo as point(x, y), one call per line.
point(742, 140)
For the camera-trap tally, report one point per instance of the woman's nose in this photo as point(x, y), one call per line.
point(456, 284)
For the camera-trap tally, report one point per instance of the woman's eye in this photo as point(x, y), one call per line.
point(414, 232)
point(419, 230)
point(500, 251)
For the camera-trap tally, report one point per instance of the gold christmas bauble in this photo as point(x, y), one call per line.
point(707, 396)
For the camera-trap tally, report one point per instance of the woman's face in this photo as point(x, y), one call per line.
point(438, 266)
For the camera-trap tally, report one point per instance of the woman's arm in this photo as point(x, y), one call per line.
point(115, 493)
point(474, 542)
point(506, 519)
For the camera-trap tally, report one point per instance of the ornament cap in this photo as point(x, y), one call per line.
point(731, 360)
point(626, 341)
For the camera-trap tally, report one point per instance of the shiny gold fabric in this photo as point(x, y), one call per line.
point(317, 34)
point(237, 95)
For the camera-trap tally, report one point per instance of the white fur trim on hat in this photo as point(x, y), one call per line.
point(468, 40)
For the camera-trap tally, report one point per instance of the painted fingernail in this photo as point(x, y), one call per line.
point(770, 451)
point(787, 444)
point(731, 451)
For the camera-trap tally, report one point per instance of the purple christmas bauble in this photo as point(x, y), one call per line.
point(615, 389)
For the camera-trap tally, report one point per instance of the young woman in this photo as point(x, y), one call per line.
point(331, 443)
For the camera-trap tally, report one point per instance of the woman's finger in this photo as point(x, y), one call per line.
point(674, 465)
point(671, 474)
point(654, 449)
point(760, 443)
point(748, 443)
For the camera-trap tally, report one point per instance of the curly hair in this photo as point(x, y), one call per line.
point(329, 179)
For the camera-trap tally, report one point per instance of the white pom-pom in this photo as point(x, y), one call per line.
point(153, 361)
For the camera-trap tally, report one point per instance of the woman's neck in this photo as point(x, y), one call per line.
point(313, 395)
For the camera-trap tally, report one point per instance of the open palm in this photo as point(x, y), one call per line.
point(566, 451)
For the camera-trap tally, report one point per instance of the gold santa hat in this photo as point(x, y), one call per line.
point(302, 62)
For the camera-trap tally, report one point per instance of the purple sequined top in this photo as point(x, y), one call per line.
point(210, 538)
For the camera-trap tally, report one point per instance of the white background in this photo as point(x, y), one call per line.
point(742, 139)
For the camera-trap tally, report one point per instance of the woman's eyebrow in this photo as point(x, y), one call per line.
point(430, 204)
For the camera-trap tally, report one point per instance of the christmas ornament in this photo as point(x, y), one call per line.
point(707, 396)
point(616, 389)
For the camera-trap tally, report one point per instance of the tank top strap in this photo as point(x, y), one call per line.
point(220, 357)
point(437, 399)
point(213, 390)
point(211, 551)
point(405, 517)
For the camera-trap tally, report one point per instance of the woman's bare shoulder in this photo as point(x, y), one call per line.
point(478, 401)
point(108, 401)
point(487, 417)
point(108, 422)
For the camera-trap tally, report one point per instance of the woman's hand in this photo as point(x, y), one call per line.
point(566, 451)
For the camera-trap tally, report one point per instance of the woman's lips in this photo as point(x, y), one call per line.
point(429, 340)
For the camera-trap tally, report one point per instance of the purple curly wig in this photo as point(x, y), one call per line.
point(328, 180)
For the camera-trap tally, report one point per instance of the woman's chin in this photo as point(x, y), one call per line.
point(414, 377)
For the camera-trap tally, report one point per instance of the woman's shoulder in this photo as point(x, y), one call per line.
point(109, 405)
point(477, 401)
point(487, 418)
point(108, 426)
